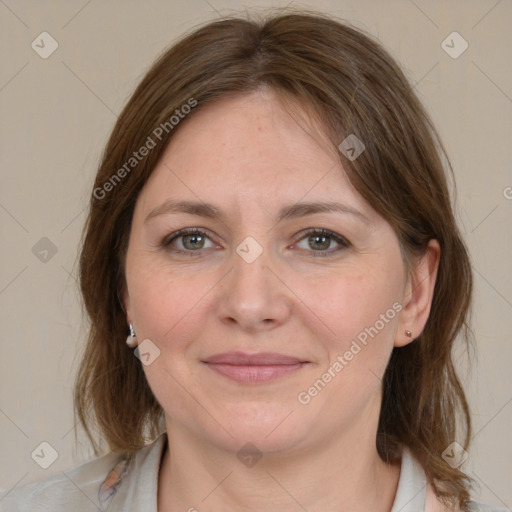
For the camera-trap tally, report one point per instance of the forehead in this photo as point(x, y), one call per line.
point(253, 148)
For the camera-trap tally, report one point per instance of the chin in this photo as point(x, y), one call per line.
point(271, 429)
point(251, 438)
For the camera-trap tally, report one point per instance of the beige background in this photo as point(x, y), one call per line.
point(56, 116)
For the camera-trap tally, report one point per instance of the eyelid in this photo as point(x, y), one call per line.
point(166, 242)
point(339, 239)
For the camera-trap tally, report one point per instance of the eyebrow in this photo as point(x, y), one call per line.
point(288, 212)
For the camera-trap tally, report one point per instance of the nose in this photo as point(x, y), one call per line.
point(253, 295)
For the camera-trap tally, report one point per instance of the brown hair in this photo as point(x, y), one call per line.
point(354, 87)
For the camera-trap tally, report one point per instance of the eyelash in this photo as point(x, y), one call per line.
point(343, 242)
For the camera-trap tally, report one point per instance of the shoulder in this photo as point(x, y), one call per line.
point(88, 487)
point(416, 493)
point(480, 507)
point(433, 504)
point(78, 487)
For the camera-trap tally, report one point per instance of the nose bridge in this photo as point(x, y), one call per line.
point(252, 296)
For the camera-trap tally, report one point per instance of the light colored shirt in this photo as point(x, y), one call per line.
point(118, 483)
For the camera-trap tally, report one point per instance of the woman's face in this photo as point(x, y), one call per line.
point(269, 331)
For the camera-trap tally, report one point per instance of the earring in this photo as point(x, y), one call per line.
point(131, 340)
point(408, 333)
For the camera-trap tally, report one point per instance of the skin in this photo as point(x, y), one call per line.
point(249, 157)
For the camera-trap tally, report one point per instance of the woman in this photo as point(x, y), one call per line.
point(271, 224)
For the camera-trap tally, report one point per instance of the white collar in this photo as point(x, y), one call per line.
point(412, 486)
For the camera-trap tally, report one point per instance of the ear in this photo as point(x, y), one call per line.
point(124, 299)
point(418, 294)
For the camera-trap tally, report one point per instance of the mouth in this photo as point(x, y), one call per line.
point(254, 368)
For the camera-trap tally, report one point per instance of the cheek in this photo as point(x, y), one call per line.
point(352, 302)
point(361, 310)
point(167, 304)
point(169, 309)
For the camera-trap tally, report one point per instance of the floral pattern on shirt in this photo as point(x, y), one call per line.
point(111, 483)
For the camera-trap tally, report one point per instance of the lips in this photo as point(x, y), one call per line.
point(259, 359)
point(254, 368)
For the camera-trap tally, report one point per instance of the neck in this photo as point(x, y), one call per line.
point(344, 474)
